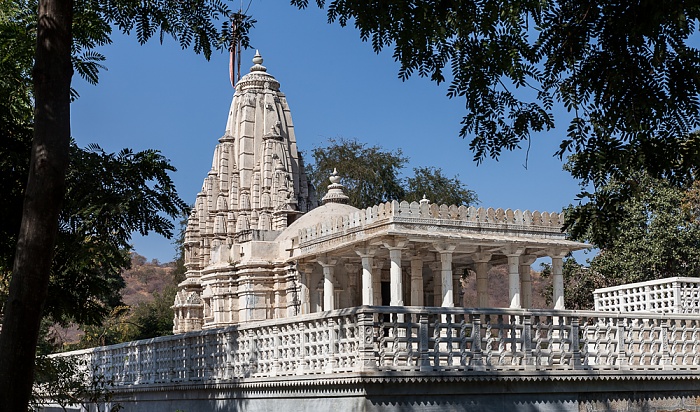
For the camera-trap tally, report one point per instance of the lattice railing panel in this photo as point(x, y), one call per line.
point(670, 295)
point(397, 339)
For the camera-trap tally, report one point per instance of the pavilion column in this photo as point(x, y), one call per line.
point(304, 295)
point(328, 288)
point(377, 267)
point(482, 260)
point(416, 281)
point(513, 253)
point(526, 280)
point(437, 283)
point(367, 255)
point(395, 247)
point(558, 278)
point(457, 294)
point(445, 251)
point(351, 270)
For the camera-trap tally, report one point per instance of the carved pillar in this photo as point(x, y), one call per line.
point(305, 271)
point(377, 281)
point(367, 255)
point(416, 281)
point(482, 260)
point(513, 253)
point(457, 292)
point(526, 280)
point(395, 248)
point(351, 270)
point(445, 251)
point(328, 265)
point(558, 278)
point(437, 283)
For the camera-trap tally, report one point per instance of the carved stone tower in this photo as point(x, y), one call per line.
point(255, 189)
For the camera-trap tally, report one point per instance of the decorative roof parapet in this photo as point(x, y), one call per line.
point(424, 212)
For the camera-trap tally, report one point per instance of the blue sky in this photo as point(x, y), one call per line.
point(161, 97)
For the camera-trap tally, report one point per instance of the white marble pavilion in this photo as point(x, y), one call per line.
point(258, 247)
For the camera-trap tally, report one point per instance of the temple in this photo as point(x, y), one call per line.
point(289, 304)
point(259, 246)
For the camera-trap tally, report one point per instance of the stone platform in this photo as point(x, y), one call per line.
point(371, 358)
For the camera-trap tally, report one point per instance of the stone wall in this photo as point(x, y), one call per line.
point(437, 393)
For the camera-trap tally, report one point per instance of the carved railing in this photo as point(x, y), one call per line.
point(395, 339)
point(433, 213)
point(670, 295)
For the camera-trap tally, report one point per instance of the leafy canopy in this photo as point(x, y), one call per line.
point(627, 72)
point(109, 195)
point(657, 235)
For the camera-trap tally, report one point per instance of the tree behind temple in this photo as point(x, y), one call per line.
point(657, 235)
point(438, 188)
point(372, 175)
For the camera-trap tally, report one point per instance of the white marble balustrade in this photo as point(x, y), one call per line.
point(383, 339)
point(670, 295)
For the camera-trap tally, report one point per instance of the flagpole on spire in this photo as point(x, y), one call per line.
point(237, 24)
point(234, 64)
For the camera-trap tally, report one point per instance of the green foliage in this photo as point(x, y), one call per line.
point(109, 196)
point(625, 70)
point(146, 320)
point(68, 381)
point(154, 318)
point(657, 238)
point(627, 73)
point(442, 189)
point(203, 25)
point(579, 284)
point(371, 175)
point(17, 45)
point(656, 233)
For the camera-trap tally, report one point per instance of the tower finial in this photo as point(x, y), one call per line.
point(257, 63)
point(335, 190)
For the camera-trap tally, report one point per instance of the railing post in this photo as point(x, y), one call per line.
point(228, 370)
point(622, 359)
point(665, 353)
point(252, 353)
point(368, 358)
point(275, 351)
point(528, 360)
point(477, 358)
point(208, 355)
point(677, 301)
point(647, 298)
point(303, 364)
point(332, 364)
point(575, 343)
point(423, 343)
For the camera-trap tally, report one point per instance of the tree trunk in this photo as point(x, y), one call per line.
point(42, 203)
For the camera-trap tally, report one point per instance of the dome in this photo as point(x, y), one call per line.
point(318, 215)
point(334, 206)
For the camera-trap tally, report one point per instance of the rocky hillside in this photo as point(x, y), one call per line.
point(146, 278)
